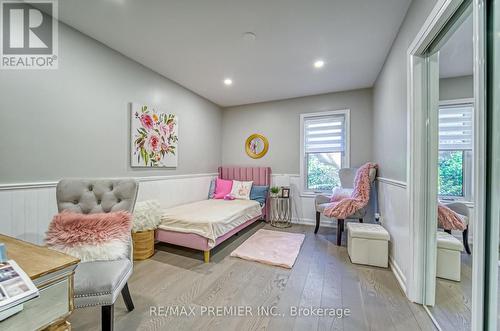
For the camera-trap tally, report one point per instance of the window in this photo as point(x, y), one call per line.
point(324, 149)
point(455, 151)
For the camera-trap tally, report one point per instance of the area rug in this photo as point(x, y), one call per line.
point(271, 247)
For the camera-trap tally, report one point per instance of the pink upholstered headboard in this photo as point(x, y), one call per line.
point(259, 176)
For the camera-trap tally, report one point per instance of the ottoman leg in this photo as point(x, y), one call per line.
point(340, 228)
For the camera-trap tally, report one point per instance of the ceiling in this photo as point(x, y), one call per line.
point(456, 55)
point(200, 43)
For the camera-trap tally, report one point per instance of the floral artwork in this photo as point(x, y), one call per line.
point(154, 137)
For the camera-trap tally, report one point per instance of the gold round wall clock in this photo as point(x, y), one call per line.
point(256, 146)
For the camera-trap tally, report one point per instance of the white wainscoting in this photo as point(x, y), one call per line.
point(26, 209)
point(393, 209)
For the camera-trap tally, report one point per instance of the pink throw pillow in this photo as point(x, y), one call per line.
point(91, 237)
point(222, 188)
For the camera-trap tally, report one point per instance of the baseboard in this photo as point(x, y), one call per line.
point(400, 277)
point(308, 221)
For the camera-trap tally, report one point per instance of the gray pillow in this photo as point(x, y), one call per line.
point(211, 190)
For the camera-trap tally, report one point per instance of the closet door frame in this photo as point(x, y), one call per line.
point(421, 67)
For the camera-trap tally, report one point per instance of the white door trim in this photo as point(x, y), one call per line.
point(479, 165)
point(417, 87)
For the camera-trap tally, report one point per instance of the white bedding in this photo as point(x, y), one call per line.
point(209, 218)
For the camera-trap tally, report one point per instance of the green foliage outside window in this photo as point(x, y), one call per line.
point(451, 173)
point(322, 172)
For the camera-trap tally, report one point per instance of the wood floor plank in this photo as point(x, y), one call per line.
point(295, 286)
point(322, 276)
point(313, 288)
point(331, 296)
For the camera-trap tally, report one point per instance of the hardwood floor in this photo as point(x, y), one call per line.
point(454, 299)
point(322, 277)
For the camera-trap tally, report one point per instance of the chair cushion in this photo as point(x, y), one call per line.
point(100, 282)
point(359, 214)
point(321, 207)
point(447, 241)
point(367, 231)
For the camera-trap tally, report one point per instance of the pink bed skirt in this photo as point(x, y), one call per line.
point(195, 241)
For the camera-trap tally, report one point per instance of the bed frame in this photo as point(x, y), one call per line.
point(259, 176)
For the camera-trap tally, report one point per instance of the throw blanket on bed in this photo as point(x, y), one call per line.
point(359, 197)
point(448, 219)
point(210, 218)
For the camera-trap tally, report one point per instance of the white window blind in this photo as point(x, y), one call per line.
point(324, 134)
point(455, 127)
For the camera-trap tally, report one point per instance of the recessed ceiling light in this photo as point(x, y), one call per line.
point(228, 81)
point(319, 64)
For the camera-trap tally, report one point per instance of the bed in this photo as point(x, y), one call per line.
point(203, 225)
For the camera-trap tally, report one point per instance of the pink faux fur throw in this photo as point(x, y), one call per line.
point(359, 197)
point(91, 237)
point(448, 219)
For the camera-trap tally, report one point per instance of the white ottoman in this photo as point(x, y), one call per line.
point(368, 244)
point(449, 250)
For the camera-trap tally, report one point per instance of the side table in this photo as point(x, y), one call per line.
point(281, 212)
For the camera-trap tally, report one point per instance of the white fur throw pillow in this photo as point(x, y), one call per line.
point(241, 190)
point(91, 237)
point(146, 215)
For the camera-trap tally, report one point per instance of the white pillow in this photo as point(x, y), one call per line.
point(241, 190)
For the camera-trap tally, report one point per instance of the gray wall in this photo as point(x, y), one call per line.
point(389, 97)
point(74, 121)
point(279, 121)
point(456, 88)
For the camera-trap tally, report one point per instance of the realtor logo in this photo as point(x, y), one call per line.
point(28, 34)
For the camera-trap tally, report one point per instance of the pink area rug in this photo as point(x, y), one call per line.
point(271, 247)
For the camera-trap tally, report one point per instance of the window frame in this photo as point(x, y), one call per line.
point(346, 159)
point(467, 164)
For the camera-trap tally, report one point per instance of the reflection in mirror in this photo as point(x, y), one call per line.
point(452, 308)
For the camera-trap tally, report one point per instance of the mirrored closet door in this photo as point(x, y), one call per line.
point(451, 159)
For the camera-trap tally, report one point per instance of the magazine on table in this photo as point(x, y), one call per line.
point(15, 286)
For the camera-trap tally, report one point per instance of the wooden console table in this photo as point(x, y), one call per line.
point(52, 272)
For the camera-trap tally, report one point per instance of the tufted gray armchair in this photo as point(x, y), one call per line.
point(321, 201)
point(99, 283)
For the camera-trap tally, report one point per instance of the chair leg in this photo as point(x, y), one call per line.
point(360, 220)
point(127, 298)
point(465, 236)
point(107, 313)
point(318, 216)
point(340, 228)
